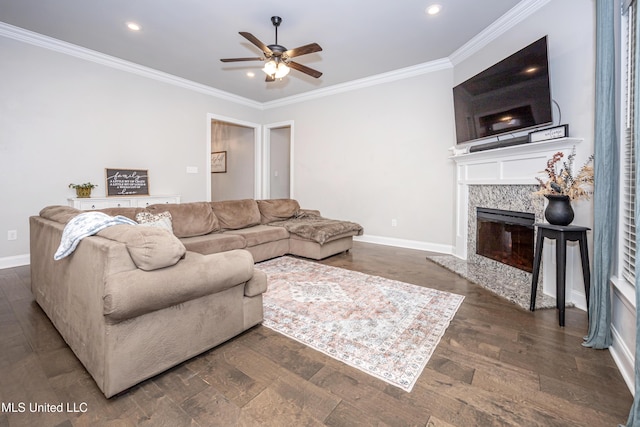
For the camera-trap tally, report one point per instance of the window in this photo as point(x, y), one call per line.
point(628, 181)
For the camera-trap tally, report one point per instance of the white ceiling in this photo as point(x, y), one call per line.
point(187, 38)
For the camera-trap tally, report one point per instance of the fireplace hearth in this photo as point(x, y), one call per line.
point(506, 236)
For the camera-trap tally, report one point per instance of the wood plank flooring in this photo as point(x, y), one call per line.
point(497, 365)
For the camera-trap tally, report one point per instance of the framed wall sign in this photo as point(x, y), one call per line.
point(219, 162)
point(556, 132)
point(127, 182)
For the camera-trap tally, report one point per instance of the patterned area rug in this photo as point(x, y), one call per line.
point(386, 328)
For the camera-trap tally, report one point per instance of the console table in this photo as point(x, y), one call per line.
point(561, 234)
point(90, 203)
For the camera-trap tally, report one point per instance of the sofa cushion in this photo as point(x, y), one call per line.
point(277, 209)
point(235, 214)
point(160, 220)
point(189, 219)
point(259, 234)
point(214, 243)
point(61, 214)
point(150, 248)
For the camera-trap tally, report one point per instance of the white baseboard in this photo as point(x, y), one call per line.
point(408, 244)
point(624, 359)
point(14, 261)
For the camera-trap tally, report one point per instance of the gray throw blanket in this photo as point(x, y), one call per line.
point(317, 228)
point(84, 225)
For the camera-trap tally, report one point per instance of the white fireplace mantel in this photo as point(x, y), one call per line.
point(515, 165)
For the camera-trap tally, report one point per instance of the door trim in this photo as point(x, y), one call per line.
point(257, 141)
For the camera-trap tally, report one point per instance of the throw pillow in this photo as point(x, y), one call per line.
point(150, 248)
point(160, 220)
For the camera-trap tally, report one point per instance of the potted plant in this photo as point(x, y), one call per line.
point(563, 186)
point(83, 191)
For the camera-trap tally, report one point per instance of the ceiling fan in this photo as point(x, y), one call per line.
point(277, 57)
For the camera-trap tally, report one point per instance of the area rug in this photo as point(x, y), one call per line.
point(386, 328)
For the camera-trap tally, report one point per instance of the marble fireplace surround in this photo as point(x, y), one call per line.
point(503, 178)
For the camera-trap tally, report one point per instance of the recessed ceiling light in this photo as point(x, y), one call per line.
point(133, 26)
point(251, 74)
point(434, 9)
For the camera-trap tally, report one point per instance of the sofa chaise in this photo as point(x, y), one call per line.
point(133, 301)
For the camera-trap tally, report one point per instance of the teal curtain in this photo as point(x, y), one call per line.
point(605, 195)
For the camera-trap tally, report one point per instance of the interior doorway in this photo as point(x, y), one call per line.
point(233, 157)
point(278, 161)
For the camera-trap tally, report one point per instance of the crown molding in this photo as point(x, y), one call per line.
point(36, 39)
point(403, 73)
point(507, 21)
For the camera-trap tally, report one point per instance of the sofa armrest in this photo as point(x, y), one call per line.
point(133, 293)
point(257, 285)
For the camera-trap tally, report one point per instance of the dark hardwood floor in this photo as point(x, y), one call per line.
point(497, 364)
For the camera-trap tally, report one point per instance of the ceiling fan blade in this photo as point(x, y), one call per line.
point(302, 50)
point(270, 78)
point(240, 59)
point(304, 69)
point(263, 47)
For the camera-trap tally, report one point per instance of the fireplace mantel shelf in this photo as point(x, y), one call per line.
point(518, 150)
point(518, 164)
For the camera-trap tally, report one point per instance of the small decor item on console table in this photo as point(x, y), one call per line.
point(563, 186)
point(83, 191)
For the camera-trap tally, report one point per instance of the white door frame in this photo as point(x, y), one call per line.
point(266, 156)
point(257, 136)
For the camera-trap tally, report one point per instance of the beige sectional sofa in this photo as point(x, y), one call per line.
point(133, 301)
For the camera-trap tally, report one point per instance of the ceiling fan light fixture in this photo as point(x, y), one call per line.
point(270, 67)
point(282, 70)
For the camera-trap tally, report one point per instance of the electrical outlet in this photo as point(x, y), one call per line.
point(394, 222)
point(12, 235)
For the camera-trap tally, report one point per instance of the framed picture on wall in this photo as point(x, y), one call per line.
point(219, 162)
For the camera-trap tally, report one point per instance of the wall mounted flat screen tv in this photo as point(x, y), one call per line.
point(512, 95)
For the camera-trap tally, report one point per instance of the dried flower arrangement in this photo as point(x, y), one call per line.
point(564, 181)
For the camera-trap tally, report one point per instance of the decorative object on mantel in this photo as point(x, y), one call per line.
point(555, 132)
point(563, 186)
point(83, 191)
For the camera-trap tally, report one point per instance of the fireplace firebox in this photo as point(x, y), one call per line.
point(506, 236)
